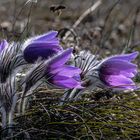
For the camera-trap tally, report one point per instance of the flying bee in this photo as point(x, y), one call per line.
point(57, 9)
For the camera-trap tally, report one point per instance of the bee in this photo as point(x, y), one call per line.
point(57, 9)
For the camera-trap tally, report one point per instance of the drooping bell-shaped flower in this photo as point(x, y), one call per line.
point(60, 74)
point(87, 62)
point(55, 72)
point(118, 71)
point(114, 72)
point(3, 44)
point(42, 46)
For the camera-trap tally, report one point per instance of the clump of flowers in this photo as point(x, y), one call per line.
point(57, 68)
point(48, 65)
point(114, 72)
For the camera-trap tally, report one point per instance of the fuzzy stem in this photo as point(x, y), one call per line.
point(24, 105)
point(65, 97)
point(3, 113)
point(74, 93)
point(70, 95)
point(21, 102)
point(11, 113)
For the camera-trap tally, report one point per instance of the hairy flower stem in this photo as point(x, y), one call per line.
point(65, 97)
point(3, 117)
point(11, 113)
point(70, 95)
point(22, 102)
point(7, 117)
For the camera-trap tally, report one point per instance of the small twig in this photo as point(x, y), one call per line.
point(16, 17)
point(26, 28)
point(79, 20)
point(87, 12)
point(105, 23)
point(46, 111)
point(132, 31)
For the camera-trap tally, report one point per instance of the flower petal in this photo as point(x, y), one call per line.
point(43, 50)
point(119, 81)
point(117, 66)
point(43, 46)
point(70, 71)
point(113, 71)
point(60, 59)
point(46, 37)
point(65, 82)
point(125, 57)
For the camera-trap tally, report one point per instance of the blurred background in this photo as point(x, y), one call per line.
point(110, 26)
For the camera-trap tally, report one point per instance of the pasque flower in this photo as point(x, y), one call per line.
point(60, 74)
point(114, 72)
point(55, 72)
point(87, 62)
point(42, 46)
point(118, 71)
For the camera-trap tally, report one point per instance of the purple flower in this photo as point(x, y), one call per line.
point(3, 44)
point(118, 71)
point(43, 46)
point(61, 75)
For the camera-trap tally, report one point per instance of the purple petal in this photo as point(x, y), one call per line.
point(65, 82)
point(43, 50)
point(54, 41)
point(46, 37)
point(70, 71)
point(127, 74)
point(43, 46)
point(117, 66)
point(3, 44)
point(119, 81)
point(113, 71)
point(60, 59)
point(126, 57)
